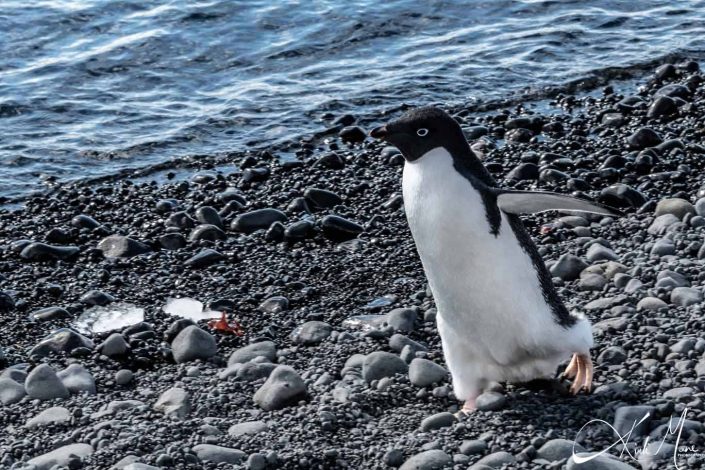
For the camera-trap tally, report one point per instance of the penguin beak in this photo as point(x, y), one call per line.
point(379, 132)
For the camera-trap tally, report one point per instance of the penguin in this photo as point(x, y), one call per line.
point(499, 316)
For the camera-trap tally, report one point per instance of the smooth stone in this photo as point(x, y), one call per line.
point(592, 282)
point(402, 319)
point(651, 303)
point(558, 449)
point(676, 206)
point(11, 391)
point(175, 402)
point(433, 459)
point(643, 138)
point(620, 195)
point(423, 372)
point(218, 454)
point(662, 223)
point(380, 364)
point(252, 371)
point(118, 246)
point(62, 340)
point(312, 332)
point(473, 447)
point(339, 229)
point(656, 454)
point(205, 258)
point(172, 241)
point(7, 303)
point(662, 106)
point(399, 341)
point(209, 216)
point(679, 393)
point(612, 355)
point(438, 421)
point(663, 247)
point(626, 417)
point(124, 377)
point(322, 198)
point(490, 401)
point(683, 346)
point(245, 354)
point(77, 379)
point(97, 297)
point(55, 415)
point(207, 232)
point(42, 383)
point(523, 172)
point(598, 252)
point(352, 134)
point(38, 251)
point(85, 221)
point(258, 219)
point(274, 305)
point(299, 231)
point(495, 460)
point(249, 427)
point(50, 313)
point(568, 267)
point(60, 457)
point(114, 345)
point(686, 296)
point(602, 462)
point(284, 387)
point(180, 220)
point(193, 343)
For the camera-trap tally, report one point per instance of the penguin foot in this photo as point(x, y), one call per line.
point(468, 407)
point(580, 370)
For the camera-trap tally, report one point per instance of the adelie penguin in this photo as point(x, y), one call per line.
point(499, 315)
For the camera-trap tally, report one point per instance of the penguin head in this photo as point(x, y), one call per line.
point(420, 130)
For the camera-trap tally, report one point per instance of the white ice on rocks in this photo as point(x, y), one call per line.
point(115, 316)
point(187, 307)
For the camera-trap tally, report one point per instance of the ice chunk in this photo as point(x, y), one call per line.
point(187, 307)
point(115, 316)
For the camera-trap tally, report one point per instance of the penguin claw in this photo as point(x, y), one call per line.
point(581, 369)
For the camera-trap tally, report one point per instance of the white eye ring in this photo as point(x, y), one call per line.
point(422, 132)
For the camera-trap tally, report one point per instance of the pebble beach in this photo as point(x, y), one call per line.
point(340, 364)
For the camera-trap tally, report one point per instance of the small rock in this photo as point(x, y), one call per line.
point(257, 220)
point(438, 421)
point(97, 297)
point(423, 372)
point(495, 460)
point(205, 258)
point(114, 345)
point(402, 319)
point(55, 415)
point(663, 247)
point(283, 388)
point(251, 351)
point(434, 459)
point(626, 417)
point(490, 401)
point(339, 229)
point(61, 457)
point(77, 379)
point(50, 313)
point(380, 364)
point(312, 332)
point(249, 427)
point(124, 377)
point(643, 138)
point(218, 454)
point(118, 246)
point(558, 449)
point(174, 402)
point(651, 303)
point(193, 343)
point(321, 198)
point(662, 223)
point(43, 384)
point(10, 391)
point(41, 251)
point(598, 252)
point(686, 296)
point(612, 355)
point(568, 267)
point(676, 206)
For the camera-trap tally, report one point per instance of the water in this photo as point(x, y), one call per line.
point(91, 87)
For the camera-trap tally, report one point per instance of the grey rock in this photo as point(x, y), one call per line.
point(598, 252)
point(656, 455)
point(124, 377)
point(490, 401)
point(49, 313)
point(662, 223)
point(568, 267)
point(473, 447)
point(114, 345)
point(433, 459)
point(193, 343)
point(663, 247)
point(118, 246)
point(683, 346)
point(592, 282)
point(77, 379)
point(275, 304)
point(249, 427)
point(62, 340)
point(208, 215)
point(686, 296)
point(311, 332)
point(38, 251)
point(251, 371)
point(55, 415)
point(603, 462)
point(60, 456)
point(651, 303)
point(97, 297)
point(398, 341)
point(612, 355)
point(675, 206)
point(438, 421)
point(251, 351)
point(207, 232)
point(700, 207)
point(10, 391)
point(626, 417)
point(679, 393)
point(423, 372)
point(43, 384)
point(204, 258)
point(174, 402)
point(402, 319)
point(633, 285)
point(283, 388)
point(678, 279)
point(256, 461)
point(380, 364)
point(140, 466)
point(558, 449)
point(495, 460)
point(218, 454)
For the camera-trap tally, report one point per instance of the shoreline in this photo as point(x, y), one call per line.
point(649, 353)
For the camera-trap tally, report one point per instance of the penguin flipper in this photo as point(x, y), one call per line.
point(532, 202)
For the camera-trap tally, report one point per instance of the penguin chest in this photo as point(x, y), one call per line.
point(482, 283)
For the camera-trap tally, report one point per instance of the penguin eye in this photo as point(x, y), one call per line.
point(423, 132)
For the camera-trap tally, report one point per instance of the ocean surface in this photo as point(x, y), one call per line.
point(91, 87)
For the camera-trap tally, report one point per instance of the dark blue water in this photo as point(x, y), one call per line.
point(91, 87)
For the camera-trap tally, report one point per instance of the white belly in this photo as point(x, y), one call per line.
point(491, 308)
